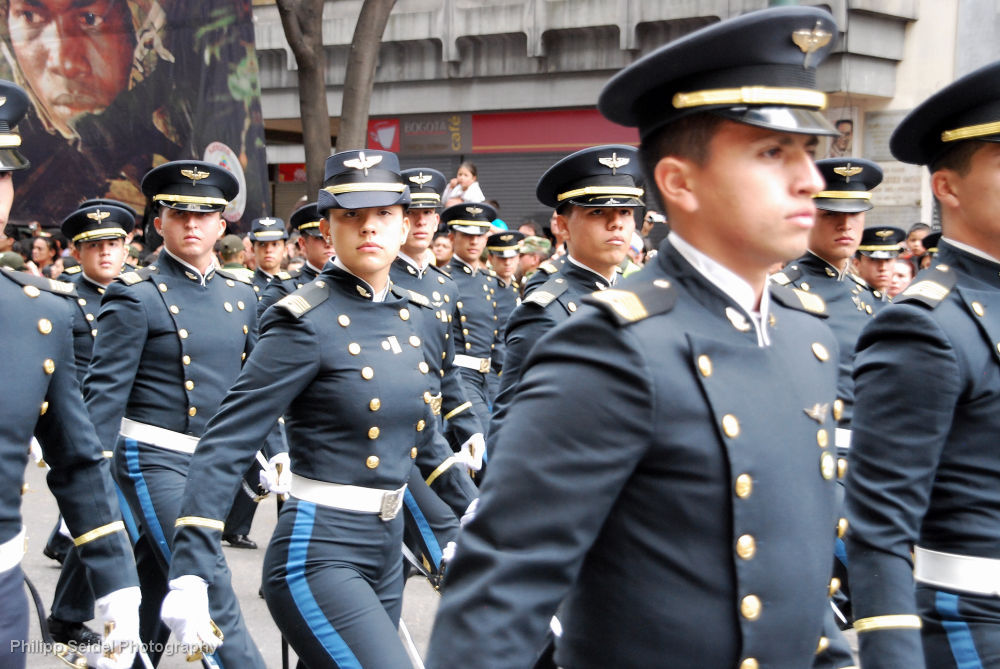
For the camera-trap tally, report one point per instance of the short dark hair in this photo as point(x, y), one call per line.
point(687, 137)
point(918, 226)
point(957, 158)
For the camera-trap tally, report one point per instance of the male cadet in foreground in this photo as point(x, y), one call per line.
point(922, 495)
point(880, 246)
point(171, 340)
point(669, 480)
point(594, 192)
point(316, 249)
point(476, 333)
point(44, 400)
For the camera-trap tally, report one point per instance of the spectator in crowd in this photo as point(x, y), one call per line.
point(464, 187)
point(914, 240)
point(902, 275)
point(44, 251)
point(531, 228)
point(441, 247)
point(534, 250)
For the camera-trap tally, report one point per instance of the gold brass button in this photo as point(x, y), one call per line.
point(45, 326)
point(93, 333)
point(354, 348)
point(977, 309)
point(162, 287)
point(841, 528)
point(823, 644)
point(421, 425)
point(571, 306)
point(465, 331)
point(820, 352)
point(228, 307)
point(240, 305)
point(192, 411)
point(705, 365)
point(750, 663)
point(427, 397)
point(423, 367)
point(45, 407)
point(404, 314)
point(413, 452)
point(182, 333)
point(414, 341)
point(744, 486)
point(841, 467)
point(372, 462)
point(750, 607)
point(174, 309)
point(186, 360)
point(838, 409)
point(375, 404)
point(834, 586)
point(49, 366)
point(730, 425)
point(90, 318)
point(746, 546)
point(804, 286)
point(82, 302)
point(189, 384)
point(373, 433)
point(827, 466)
point(31, 291)
point(367, 373)
point(243, 356)
point(245, 329)
point(343, 320)
point(469, 346)
point(822, 438)
point(230, 283)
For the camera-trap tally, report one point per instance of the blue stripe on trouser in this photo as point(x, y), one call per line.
point(127, 517)
point(430, 541)
point(963, 648)
point(840, 551)
point(145, 501)
point(298, 586)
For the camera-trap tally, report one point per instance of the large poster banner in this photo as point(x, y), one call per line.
point(120, 86)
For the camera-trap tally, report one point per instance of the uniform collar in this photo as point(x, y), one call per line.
point(971, 250)
point(414, 264)
point(190, 271)
point(458, 262)
point(732, 285)
point(310, 269)
point(602, 281)
point(362, 287)
point(810, 259)
point(96, 285)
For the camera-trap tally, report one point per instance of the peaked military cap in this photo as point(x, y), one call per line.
point(472, 218)
point(966, 109)
point(109, 202)
point(13, 105)
point(95, 222)
point(931, 241)
point(849, 182)
point(759, 69)
point(426, 186)
point(306, 220)
point(190, 185)
point(505, 244)
point(267, 229)
point(881, 242)
point(359, 179)
point(600, 176)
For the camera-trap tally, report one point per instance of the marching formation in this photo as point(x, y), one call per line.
point(719, 451)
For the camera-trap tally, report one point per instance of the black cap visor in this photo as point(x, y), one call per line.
point(12, 159)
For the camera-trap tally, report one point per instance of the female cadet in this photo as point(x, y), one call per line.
point(342, 358)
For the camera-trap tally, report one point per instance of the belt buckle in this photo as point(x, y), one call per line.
point(392, 502)
point(484, 365)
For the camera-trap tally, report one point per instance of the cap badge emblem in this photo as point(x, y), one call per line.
point(612, 201)
point(195, 175)
point(506, 238)
point(267, 222)
point(848, 171)
point(883, 233)
point(817, 412)
point(363, 162)
point(810, 41)
point(420, 179)
point(614, 162)
point(98, 215)
point(474, 210)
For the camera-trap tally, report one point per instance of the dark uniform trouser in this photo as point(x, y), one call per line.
point(13, 620)
point(333, 581)
point(959, 631)
point(241, 514)
point(475, 385)
point(429, 523)
point(152, 480)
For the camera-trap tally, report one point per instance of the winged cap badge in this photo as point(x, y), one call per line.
point(614, 161)
point(883, 233)
point(506, 238)
point(420, 178)
point(267, 222)
point(810, 41)
point(474, 210)
point(195, 175)
point(98, 215)
point(363, 162)
point(848, 171)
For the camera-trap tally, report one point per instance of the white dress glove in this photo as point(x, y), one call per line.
point(118, 614)
point(471, 452)
point(280, 483)
point(448, 553)
point(185, 611)
point(469, 514)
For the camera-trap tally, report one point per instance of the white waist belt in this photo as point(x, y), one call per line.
point(841, 438)
point(386, 503)
point(158, 436)
point(950, 571)
point(467, 361)
point(11, 551)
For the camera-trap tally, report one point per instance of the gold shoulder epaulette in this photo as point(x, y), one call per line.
point(235, 276)
point(546, 293)
point(624, 303)
point(780, 278)
point(930, 288)
point(548, 267)
point(62, 287)
point(75, 269)
point(305, 299)
point(629, 306)
point(414, 296)
point(283, 275)
point(795, 298)
point(129, 278)
point(810, 301)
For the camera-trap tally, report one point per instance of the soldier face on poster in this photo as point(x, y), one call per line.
point(120, 86)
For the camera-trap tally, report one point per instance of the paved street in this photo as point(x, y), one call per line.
point(40, 513)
